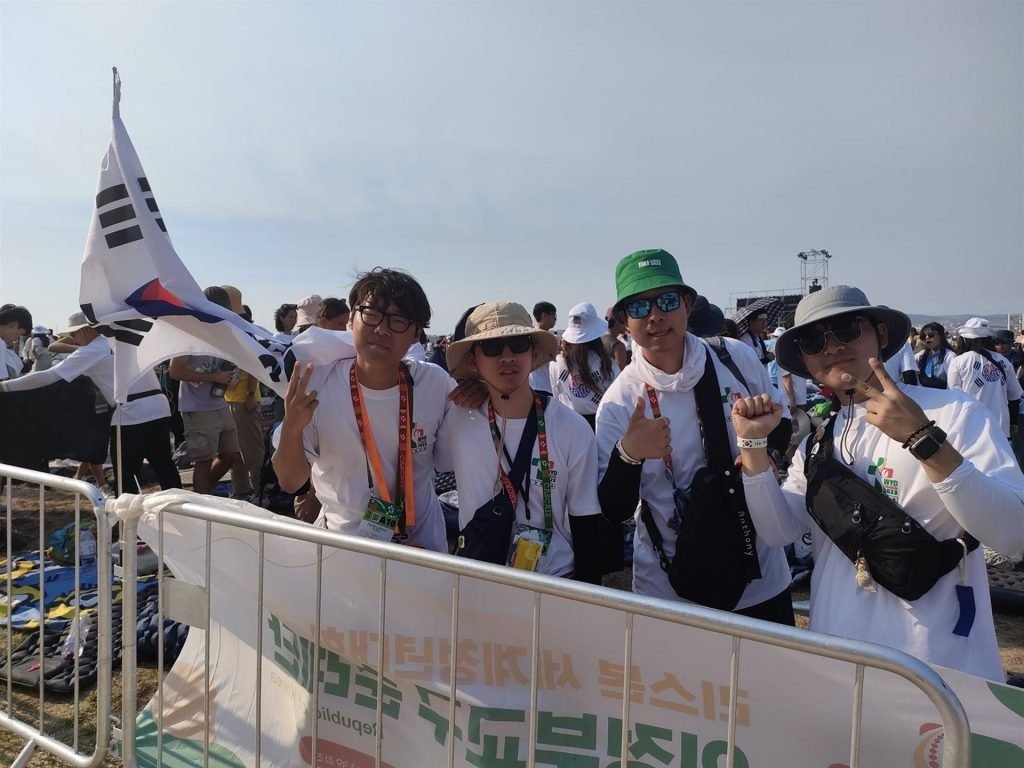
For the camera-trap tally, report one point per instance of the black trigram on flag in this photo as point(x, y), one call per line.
point(127, 331)
point(120, 211)
point(151, 202)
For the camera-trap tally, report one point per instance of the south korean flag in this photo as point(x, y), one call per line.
point(140, 293)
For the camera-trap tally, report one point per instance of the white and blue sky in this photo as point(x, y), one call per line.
point(517, 150)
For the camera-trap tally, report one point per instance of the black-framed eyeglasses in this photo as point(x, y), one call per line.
point(374, 317)
point(669, 301)
point(927, 336)
point(845, 329)
point(517, 345)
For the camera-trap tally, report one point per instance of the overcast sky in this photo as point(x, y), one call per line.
point(517, 150)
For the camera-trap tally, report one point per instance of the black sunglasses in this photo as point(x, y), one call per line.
point(516, 345)
point(845, 330)
point(668, 301)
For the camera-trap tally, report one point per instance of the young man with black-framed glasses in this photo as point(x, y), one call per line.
point(363, 429)
point(651, 432)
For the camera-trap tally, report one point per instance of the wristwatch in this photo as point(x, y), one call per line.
point(925, 446)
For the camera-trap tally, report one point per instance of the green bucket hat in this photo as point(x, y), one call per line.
point(644, 270)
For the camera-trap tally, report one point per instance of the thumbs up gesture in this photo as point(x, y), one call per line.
point(647, 438)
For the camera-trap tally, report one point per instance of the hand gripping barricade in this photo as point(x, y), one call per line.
point(48, 610)
point(314, 648)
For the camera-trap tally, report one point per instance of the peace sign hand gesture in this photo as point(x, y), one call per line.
point(299, 402)
point(888, 408)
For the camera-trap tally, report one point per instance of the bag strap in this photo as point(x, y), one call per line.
point(655, 535)
point(717, 343)
point(708, 398)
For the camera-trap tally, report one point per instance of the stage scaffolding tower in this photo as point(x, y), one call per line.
point(813, 270)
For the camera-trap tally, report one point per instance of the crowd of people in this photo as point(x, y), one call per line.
point(660, 414)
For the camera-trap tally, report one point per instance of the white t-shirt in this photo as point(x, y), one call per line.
point(982, 379)
point(417, 352)
point(799, 386)
point(10, 363)
point(572, 390)
point(985, 494)
point(146, 402)
point(756, 343)
point(902, 361)
point(337, 459)
point(468, 448)
point(540, 379)
point(677, 402)
point(940, 366)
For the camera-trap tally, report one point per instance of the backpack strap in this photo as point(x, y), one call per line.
point(708, 398)
point(717, 343)
point(654, 534)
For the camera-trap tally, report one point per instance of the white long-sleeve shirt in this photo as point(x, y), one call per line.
point(984, 496)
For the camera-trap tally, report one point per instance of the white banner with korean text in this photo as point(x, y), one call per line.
point(794, 709)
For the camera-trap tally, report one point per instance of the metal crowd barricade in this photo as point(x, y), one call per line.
point(36, 734)
point(864, 656)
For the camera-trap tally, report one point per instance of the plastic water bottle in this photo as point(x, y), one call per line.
point(74, 643)
point(87, 547)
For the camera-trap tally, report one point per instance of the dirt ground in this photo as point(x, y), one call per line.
point(59, 711)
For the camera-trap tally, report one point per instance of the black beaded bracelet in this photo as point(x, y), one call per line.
point(917, 432)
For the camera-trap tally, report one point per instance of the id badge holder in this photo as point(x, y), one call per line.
point(379, 519)
point(965, 599)
point(529, 545)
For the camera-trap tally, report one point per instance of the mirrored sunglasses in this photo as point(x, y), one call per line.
point(669, 301)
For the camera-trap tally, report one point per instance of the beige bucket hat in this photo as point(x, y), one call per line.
point(497, 320)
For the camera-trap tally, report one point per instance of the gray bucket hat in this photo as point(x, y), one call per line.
point(831, 302)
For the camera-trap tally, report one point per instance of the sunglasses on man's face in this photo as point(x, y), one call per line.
point(517, 345)
point(927, 336)
point(668, 301)
point(844, 330)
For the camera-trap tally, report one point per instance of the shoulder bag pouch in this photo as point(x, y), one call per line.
point(488, 535)
point(864, 522)
point(716, 549)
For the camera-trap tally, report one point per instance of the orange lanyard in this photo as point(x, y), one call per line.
point(404, 492)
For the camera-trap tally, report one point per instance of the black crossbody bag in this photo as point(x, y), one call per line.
point(716, 549)
point(488, 535)
point(863, 522)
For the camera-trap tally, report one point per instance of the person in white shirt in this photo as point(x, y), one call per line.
point(39, 349)
point(956, 488)
point(650, 448)
point(545, 314)
point(754, 337)
point(903, 365)
point(364, 429)
point(583, 369)
point(92, 357)
point(616, 340)
point(556, 513)
point(933, 361)
point(285, 318)
point(983, 373)
point(15, 323)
